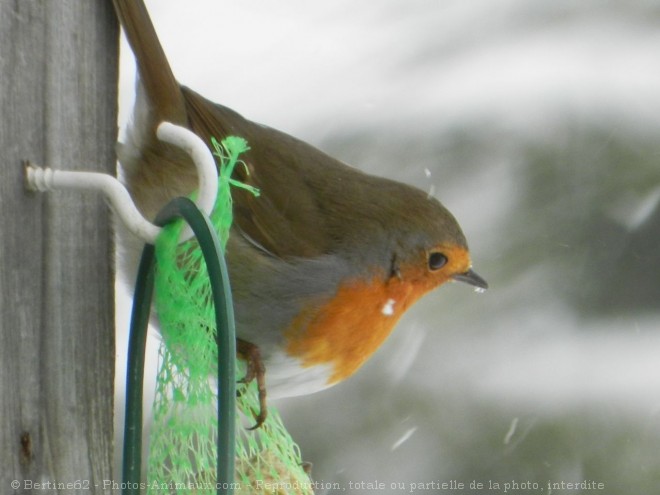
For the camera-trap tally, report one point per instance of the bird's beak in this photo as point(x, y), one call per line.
point(471, 277)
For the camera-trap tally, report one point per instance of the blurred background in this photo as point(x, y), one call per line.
point(537, 124)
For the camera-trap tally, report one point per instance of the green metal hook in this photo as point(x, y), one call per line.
point(225, 338)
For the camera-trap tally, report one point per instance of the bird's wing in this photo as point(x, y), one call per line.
point(286, 218)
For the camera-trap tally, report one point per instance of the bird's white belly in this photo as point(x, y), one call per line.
point(286, 377)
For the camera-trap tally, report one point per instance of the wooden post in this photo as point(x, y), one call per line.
point(58, 99)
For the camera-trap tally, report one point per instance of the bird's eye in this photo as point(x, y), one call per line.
point(437, 261)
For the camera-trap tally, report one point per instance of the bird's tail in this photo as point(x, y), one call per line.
point(160, 86)
point(153, 171)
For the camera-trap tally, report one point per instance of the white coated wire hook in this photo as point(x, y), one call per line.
point(47, 179)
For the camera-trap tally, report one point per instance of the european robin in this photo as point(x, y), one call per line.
point(323, 263)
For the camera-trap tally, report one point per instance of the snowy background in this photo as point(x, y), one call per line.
point(539, 122)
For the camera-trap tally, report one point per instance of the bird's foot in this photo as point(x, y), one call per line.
point(255, 371)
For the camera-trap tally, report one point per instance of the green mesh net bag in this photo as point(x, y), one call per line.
point(182, 451)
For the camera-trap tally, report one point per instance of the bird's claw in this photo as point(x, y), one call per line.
point(255, 371)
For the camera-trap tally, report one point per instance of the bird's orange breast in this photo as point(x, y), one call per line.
point(346, 330)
